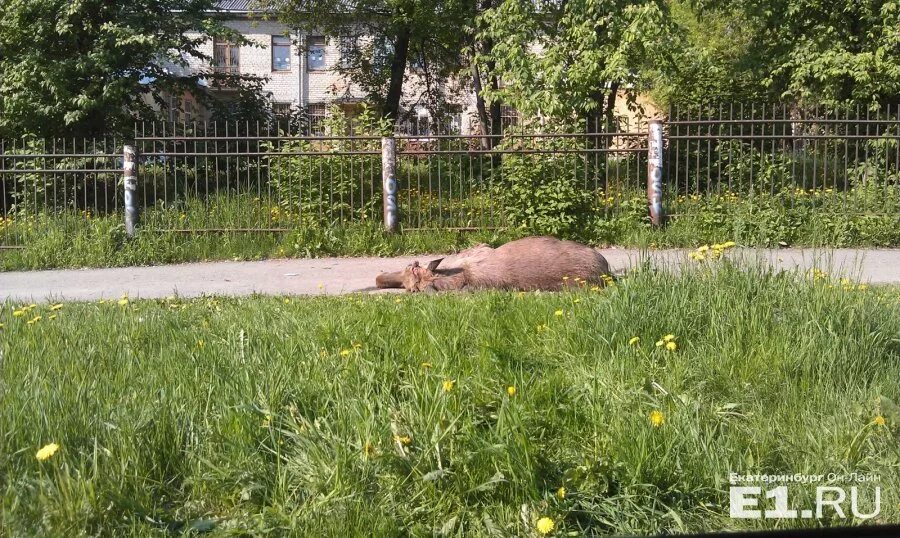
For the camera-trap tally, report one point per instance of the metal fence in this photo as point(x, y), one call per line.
point(845, 160)
point(254, 177)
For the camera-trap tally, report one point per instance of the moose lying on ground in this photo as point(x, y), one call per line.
point(532, 263)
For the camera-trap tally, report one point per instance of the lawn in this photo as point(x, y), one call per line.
point(475, 414)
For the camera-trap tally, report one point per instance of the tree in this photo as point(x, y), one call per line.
point(91, 67)
point(803, 51)
point(719, 59)
point(482, 46)
point(568, 59)
point(383, 42)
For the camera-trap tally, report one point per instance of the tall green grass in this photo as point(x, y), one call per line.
point(337, 416)
point(72, 240)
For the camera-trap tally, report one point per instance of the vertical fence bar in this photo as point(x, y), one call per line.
point(655, 171)
point(129, 167)
point(389, 182)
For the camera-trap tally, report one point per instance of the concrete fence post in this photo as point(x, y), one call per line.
point(655, 172)
point(130, 170)
point(389, 183)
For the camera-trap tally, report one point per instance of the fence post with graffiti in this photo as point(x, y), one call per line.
point(655, 172)
point(389, 183)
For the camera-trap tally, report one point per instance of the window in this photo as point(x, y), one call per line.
point(281, 53)
point(382, 52)
point(315, 54)
point(316, 113)
point(417, 61)
point(347, 46)
point(226, 57)
point(281, 110)
point(509, 116)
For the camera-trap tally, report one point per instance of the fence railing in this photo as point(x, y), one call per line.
point(845, 160)
point(243, 177)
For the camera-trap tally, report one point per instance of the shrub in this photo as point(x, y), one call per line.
point(320, 181)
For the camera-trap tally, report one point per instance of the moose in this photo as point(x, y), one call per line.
point(532, 263)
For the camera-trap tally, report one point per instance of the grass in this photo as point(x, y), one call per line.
point(335, 416)
point(73, 240)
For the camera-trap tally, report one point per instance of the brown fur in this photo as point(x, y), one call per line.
point(533, 263)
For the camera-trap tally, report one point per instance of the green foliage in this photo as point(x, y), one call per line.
point(48, 190)
point(322, 189)
point(275, 416)
point(89, 67)
point(564, 60)
point(544, 193)
point(805, 51)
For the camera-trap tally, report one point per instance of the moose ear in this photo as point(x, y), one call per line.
point(434, 264)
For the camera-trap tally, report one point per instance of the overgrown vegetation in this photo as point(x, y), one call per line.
point(474, 414)
point(818, 218)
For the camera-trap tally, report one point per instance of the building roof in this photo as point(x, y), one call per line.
point(233, 5)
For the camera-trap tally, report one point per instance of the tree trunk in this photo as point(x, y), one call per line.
point(610, 112)
point(480, 106)
point(391, 108)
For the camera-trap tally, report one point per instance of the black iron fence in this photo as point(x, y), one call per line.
point(243, 177)
point(845, 160)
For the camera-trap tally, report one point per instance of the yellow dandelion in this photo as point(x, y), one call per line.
point(511, 391)
point(46, 452)
point(425, 365)
point(565, 278)
point(448, 385)
point(398, 300)
point(660, 343)
point(879, 421)
point(668, 338)
point(403, 440)
point(345, 353)
point(576, 301)
point(558, 313)
point(561, 493)
point(56, 306)
point(545, 525)
point(657, 418)
point(19, 313)
point(52, 317)
point(703, 249)
point(123, 301)
point(728, 244)
point(287, 301)
point(635, 340)
point(34, 320)
point(542, 327)
point(595, 288)
point(671, 346)
point(200, 344)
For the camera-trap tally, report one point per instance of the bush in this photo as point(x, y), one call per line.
point(318, 179)
point(544, 193)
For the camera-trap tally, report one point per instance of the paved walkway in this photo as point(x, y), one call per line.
point(348, 275)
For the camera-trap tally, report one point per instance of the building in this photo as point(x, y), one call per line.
point(300, 76)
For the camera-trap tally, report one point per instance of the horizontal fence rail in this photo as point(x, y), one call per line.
point(243, 177)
